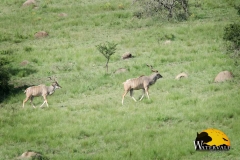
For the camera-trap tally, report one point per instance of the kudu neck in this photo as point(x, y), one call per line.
point(51, 89)
point(153, 78)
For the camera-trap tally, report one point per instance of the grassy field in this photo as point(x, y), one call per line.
point(85, 119)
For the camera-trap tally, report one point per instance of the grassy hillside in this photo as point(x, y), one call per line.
point(85, 119)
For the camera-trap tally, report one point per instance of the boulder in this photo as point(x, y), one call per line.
point(30, 154)
point(181, 75)
point(41, 34)
point(223, 76)
point(167, 42)
point(127, 55)
point(24, 63)
point(29, 3)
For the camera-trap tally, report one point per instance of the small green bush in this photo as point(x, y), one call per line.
point(232, 34)
point(28, 49)
point(238, 9)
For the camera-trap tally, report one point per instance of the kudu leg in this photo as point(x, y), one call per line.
point(146, 90)
point(45, 101)
point(31, 100)
point(25, 100)
point(142, 95)
point(124, 94)
point(131, 94)
point(42, 104)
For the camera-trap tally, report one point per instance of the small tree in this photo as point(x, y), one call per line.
point(107, 49)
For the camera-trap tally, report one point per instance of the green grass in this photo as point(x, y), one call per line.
point(85, 119)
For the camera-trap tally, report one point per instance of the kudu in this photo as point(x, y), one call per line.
point(142, 82)
point(40, 90)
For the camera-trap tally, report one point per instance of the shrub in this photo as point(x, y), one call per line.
point(177, 9)
point(28, 49)
point(4, 79)
point(238, 9)
point(232, 34)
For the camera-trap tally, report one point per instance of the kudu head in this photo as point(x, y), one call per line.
point(157, 75)
point(55, 83)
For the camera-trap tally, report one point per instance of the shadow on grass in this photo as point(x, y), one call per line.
point(11, 89)
point(12, 92)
